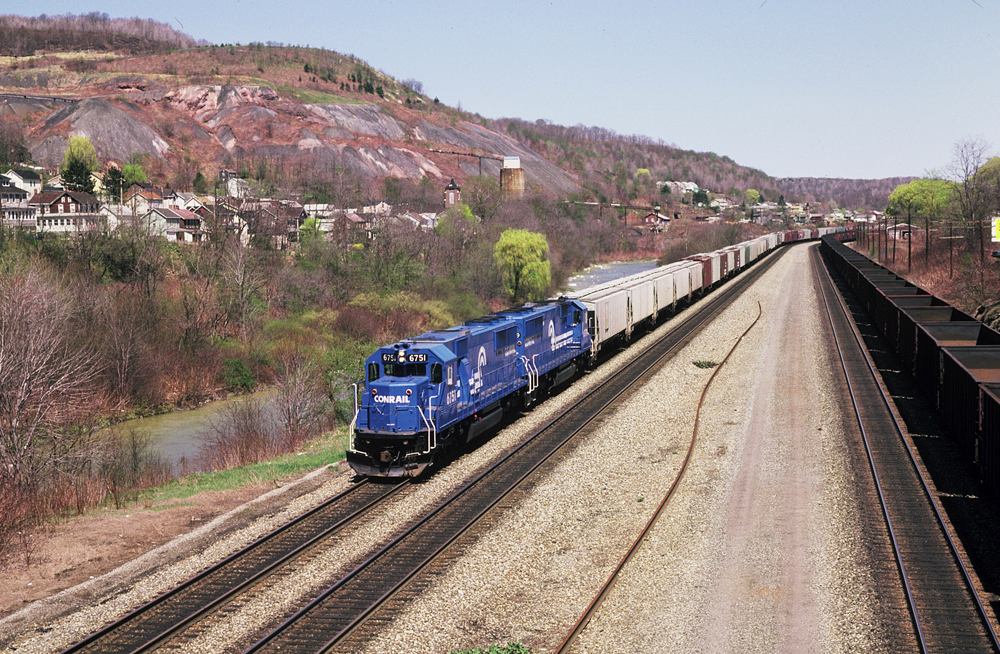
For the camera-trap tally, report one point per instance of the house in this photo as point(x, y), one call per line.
point(65, 212)
point(237, 188)
point(178, 225)
point(16, 212)
point(382, 208)
point(655, 219)
point(116, 215)
point(142, 200)
point(318, 210)
point(26, 179)
point(901, 232)
point(181, 200)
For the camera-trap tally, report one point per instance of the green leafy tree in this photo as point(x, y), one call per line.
point(521, 257)
point(921, 197)
point(82, 149)
point(700, 197)
point(133, 173)
point(309, 233)
point(752, 196)
point(459, 220)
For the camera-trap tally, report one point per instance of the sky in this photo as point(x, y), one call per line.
point(852, 88)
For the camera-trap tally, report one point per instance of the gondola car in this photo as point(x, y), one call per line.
point(429, 394)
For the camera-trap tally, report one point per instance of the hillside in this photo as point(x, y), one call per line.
point(280, 114)
point(610, 164)
point(292, 116)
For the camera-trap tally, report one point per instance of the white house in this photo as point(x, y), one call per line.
point(26, 179)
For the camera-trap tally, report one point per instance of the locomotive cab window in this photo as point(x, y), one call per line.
point(372, 372)
point(435, 373)
point(406, 369)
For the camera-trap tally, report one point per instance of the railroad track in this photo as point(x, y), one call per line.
point(947, 614)
point(159, 620)
point(351, 611)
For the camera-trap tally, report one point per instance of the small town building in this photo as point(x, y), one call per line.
point(452, 194)
point(65, 212)
point(178, 225)
point(16, 212)
point(26, 179)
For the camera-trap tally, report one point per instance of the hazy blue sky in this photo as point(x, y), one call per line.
point(852, 88)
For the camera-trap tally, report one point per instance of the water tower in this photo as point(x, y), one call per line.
point(512, 177)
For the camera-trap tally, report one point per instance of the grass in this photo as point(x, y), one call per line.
point(326, 450)
point(509, 648)
point(705, 364)
point(316, 97)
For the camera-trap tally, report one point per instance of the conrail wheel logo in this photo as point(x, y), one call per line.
point(393, 399)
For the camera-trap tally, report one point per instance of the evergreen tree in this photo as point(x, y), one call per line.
point(114, 184)
point(76, 177)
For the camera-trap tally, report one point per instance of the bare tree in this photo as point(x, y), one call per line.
point(971, 194)
point(300, 401)
point(45, 378)
point(243, 278)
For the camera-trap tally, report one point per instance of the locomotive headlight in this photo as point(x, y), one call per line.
point(402, 356)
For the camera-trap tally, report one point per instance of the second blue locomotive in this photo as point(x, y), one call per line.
point(427, 395)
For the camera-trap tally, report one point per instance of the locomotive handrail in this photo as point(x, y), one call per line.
point(352, 430)
point(431, 427)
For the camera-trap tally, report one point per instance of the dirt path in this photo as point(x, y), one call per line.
point(73, 555)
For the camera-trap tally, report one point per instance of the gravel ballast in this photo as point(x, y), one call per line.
point(760, 550)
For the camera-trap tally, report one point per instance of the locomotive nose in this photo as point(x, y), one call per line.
point(396, 407)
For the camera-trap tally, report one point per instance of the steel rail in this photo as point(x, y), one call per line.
point(96, 639)
point(969, 586)
point(584, 620)
point(637, 368)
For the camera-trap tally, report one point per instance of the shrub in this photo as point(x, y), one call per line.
point(236, 375)
point(245, 434)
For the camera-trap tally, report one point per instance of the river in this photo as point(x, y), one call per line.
point(605, 272)
point(177, 436)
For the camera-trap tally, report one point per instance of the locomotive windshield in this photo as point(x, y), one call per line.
point(406, 369)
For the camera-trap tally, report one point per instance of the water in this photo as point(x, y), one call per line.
point(605, 272)
point(177, 436)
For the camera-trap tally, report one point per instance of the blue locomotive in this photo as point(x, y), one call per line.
point(430, 394)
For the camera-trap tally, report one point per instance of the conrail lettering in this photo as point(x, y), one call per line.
point(393, 399)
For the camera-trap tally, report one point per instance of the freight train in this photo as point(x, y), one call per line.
point(954, 358)
point(425, 396)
